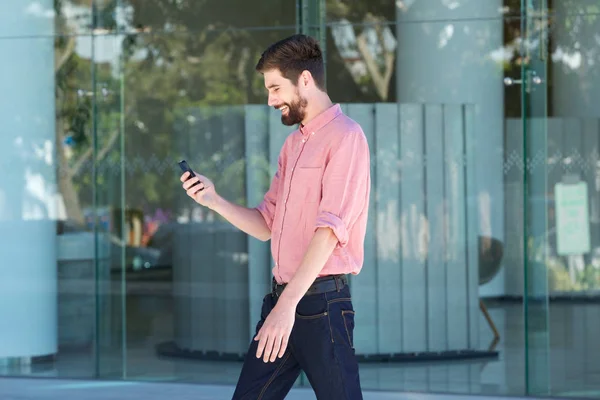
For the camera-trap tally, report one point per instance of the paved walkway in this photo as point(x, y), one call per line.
point(55, 389)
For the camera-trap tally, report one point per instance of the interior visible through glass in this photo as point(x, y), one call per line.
point(481, 273)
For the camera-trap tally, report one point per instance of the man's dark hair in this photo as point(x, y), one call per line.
point(292, 56)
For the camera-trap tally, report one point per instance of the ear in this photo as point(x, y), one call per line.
point(305, 78)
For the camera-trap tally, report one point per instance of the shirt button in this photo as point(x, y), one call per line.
point(312, 133)
point(303, 140)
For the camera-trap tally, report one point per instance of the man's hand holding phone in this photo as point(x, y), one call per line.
point(202, 190)
point(198, 187)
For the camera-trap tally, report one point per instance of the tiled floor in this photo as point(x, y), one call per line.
point(572, 367)
point(51, 389)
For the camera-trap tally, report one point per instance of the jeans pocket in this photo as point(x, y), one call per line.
point(348, 318)
point(312, 308)
point(316, 316)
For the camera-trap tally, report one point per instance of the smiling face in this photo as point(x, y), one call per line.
point(286, 97)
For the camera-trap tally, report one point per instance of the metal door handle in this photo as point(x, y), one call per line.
point(510, 81)
point(532, 79)
point(536, 80)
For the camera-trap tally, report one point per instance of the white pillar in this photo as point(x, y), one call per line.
point(28, 278)
point(450, 52)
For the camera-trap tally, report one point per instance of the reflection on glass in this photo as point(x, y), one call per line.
point(132, 274)
point(213, 15)
point(186, 97)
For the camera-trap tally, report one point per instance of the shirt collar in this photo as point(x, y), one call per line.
point(320, 120)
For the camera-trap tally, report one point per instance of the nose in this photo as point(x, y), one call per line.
point(272, 100)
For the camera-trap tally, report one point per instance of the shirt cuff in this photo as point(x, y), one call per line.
point(328, 220)
point(264, 211)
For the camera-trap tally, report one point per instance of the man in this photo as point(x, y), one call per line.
point(315, 214)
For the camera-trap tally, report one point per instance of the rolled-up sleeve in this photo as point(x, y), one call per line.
point(269, 203)
point(345, 187)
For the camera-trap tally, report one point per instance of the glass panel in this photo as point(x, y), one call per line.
point(537, 194)
point(117, 229)
point(484, 143)
point(563, 319)
point(189, 93)
point(191, 16)
point(37, 18)
point(356, 12)
point(444, 257)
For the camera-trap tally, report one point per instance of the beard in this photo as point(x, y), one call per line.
point(296, 111)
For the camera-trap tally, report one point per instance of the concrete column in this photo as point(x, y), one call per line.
point(28, 278)
point(450, 52)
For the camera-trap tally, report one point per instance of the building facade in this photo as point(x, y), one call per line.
point(481, 274)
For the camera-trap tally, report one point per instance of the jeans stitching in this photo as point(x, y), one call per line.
point(264, 389)
point(339, 300)
point(334, 350)
point(329, 319)
point(346, 326)
point(312, 316)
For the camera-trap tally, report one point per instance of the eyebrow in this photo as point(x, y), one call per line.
point(272, 85)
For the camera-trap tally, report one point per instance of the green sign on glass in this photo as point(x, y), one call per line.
point(572, 218)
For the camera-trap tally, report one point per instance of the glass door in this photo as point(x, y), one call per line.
point(107, 214)
point(561, 121)
point(537, 194)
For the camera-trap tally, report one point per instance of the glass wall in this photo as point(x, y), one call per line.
point(481, 270)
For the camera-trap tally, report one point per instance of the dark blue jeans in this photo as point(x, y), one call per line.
point(321, 345)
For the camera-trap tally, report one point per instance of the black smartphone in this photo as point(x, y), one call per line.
point(186, 168)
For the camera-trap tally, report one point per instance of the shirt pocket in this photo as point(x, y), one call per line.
point(306, 185)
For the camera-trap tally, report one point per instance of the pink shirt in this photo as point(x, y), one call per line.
point(322, 180)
